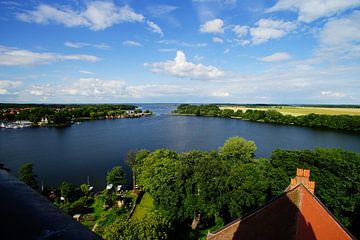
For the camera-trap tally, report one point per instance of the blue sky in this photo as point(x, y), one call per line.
point(238, 51)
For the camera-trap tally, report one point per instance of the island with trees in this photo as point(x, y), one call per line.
point(58, 115)
point(186, 195)
point(338, 122)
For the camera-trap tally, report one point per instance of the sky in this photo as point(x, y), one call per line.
point(189, 51)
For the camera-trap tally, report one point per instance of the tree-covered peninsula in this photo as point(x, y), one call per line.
point(59, 115)
point(339, 122)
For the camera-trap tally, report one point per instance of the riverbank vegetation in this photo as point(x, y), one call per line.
point(185, 195)
point(53, 115)
point(339, 122)
point(300, 110)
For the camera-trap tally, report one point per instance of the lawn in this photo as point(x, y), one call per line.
point(296, 111)
point(146, 205)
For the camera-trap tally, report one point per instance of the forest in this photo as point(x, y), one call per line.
point(195, 192)
point(338, 122)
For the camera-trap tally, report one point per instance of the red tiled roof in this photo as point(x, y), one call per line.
point(296, 214)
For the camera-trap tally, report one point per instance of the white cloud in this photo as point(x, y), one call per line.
point(45, 90)
point(7, 86)
point(330, 94)
point(217, 40)
point(220, 94)
point(75, 45)
point(97, 15)
point(213, 26)
point(240, 31)
point(341, 37)
point(276, 57)
point(267, 29)
point(94, 87)
point(159, 90)
point(310, 10)
point(86, 72)
point(225, 3)
point(192, 45)
point(198, 58)
point(82, 44)
point(181, 68)
point(10, 56)
point(132, 43)
point(158, 10)
point(155, 28)
point(182, 44)
point(167, 49)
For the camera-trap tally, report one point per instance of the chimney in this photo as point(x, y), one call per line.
point(302, 176)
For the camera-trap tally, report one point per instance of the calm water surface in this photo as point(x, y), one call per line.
point(93, 147)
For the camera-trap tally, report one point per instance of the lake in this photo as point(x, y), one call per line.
point(94, 147)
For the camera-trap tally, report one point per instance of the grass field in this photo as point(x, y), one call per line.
point(146, 205)
point(297, 111)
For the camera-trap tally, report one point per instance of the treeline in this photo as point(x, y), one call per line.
point(339, 122)
point(198, 191)
point(261, 105)
point(64, 114)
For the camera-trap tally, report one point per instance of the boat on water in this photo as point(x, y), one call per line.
point(15, 125)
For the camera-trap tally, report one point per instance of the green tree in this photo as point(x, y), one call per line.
point(66, 190)
point(152, 226)
point(131, 160)
point(116, 176)
point(85, 189)
point(26, 174)
point(239, 149)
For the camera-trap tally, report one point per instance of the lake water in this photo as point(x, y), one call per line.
point(93, 147)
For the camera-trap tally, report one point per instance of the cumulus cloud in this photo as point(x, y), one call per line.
point(217, 40)
point(154, 28)
point(276, 57)
point(240, 31)
point(83, 44)
point(181, 68)
point(213, 26)
point(311, 10)
point(7, 86)
point(266, 29)
point(131, 43)
point(97, 15)
point(10, 56)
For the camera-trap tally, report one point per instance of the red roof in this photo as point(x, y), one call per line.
point(296, 214)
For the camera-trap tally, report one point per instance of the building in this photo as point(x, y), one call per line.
point(296, 214)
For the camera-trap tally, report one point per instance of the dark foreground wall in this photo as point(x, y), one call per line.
point(25, 214)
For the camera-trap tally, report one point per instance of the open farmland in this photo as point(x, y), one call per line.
point(297, 111)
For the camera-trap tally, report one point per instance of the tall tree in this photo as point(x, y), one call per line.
point(27, 175)
point(116, 176)
point(131, 160)
point(66, 190)
point(239, 149)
